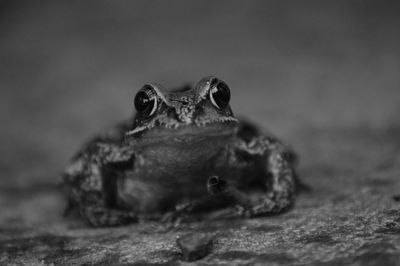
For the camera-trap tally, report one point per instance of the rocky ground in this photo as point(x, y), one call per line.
point(323, 76)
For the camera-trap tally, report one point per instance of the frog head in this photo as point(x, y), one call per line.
point(189, 112)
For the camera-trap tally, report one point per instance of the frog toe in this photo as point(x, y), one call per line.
point(100, 217)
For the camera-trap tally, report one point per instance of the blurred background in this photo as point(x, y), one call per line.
point(70, 68)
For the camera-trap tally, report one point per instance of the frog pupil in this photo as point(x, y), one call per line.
point(220, 95)
point(143, 103)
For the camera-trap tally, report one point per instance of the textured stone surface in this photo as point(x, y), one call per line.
point(324, 76)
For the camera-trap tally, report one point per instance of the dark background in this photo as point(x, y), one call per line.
point(322, 75)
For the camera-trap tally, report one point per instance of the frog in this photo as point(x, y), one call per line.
point(182, 152)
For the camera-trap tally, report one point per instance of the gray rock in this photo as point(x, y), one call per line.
point(195, 246)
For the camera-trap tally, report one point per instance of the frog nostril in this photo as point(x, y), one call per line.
point(172, 114)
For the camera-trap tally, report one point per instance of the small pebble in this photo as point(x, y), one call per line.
point(195, 246)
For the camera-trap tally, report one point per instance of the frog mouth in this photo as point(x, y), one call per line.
point(183, 132)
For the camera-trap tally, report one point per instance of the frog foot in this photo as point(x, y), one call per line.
point(174, 218)
point(219, 187)
point(98, 216)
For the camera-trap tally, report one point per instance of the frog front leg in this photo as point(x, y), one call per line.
point(91, 183)
point(275, 174)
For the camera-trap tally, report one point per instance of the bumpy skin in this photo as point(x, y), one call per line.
point(188, 156)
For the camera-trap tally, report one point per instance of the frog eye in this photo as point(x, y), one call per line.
point(220, 95)
point(146, 101)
